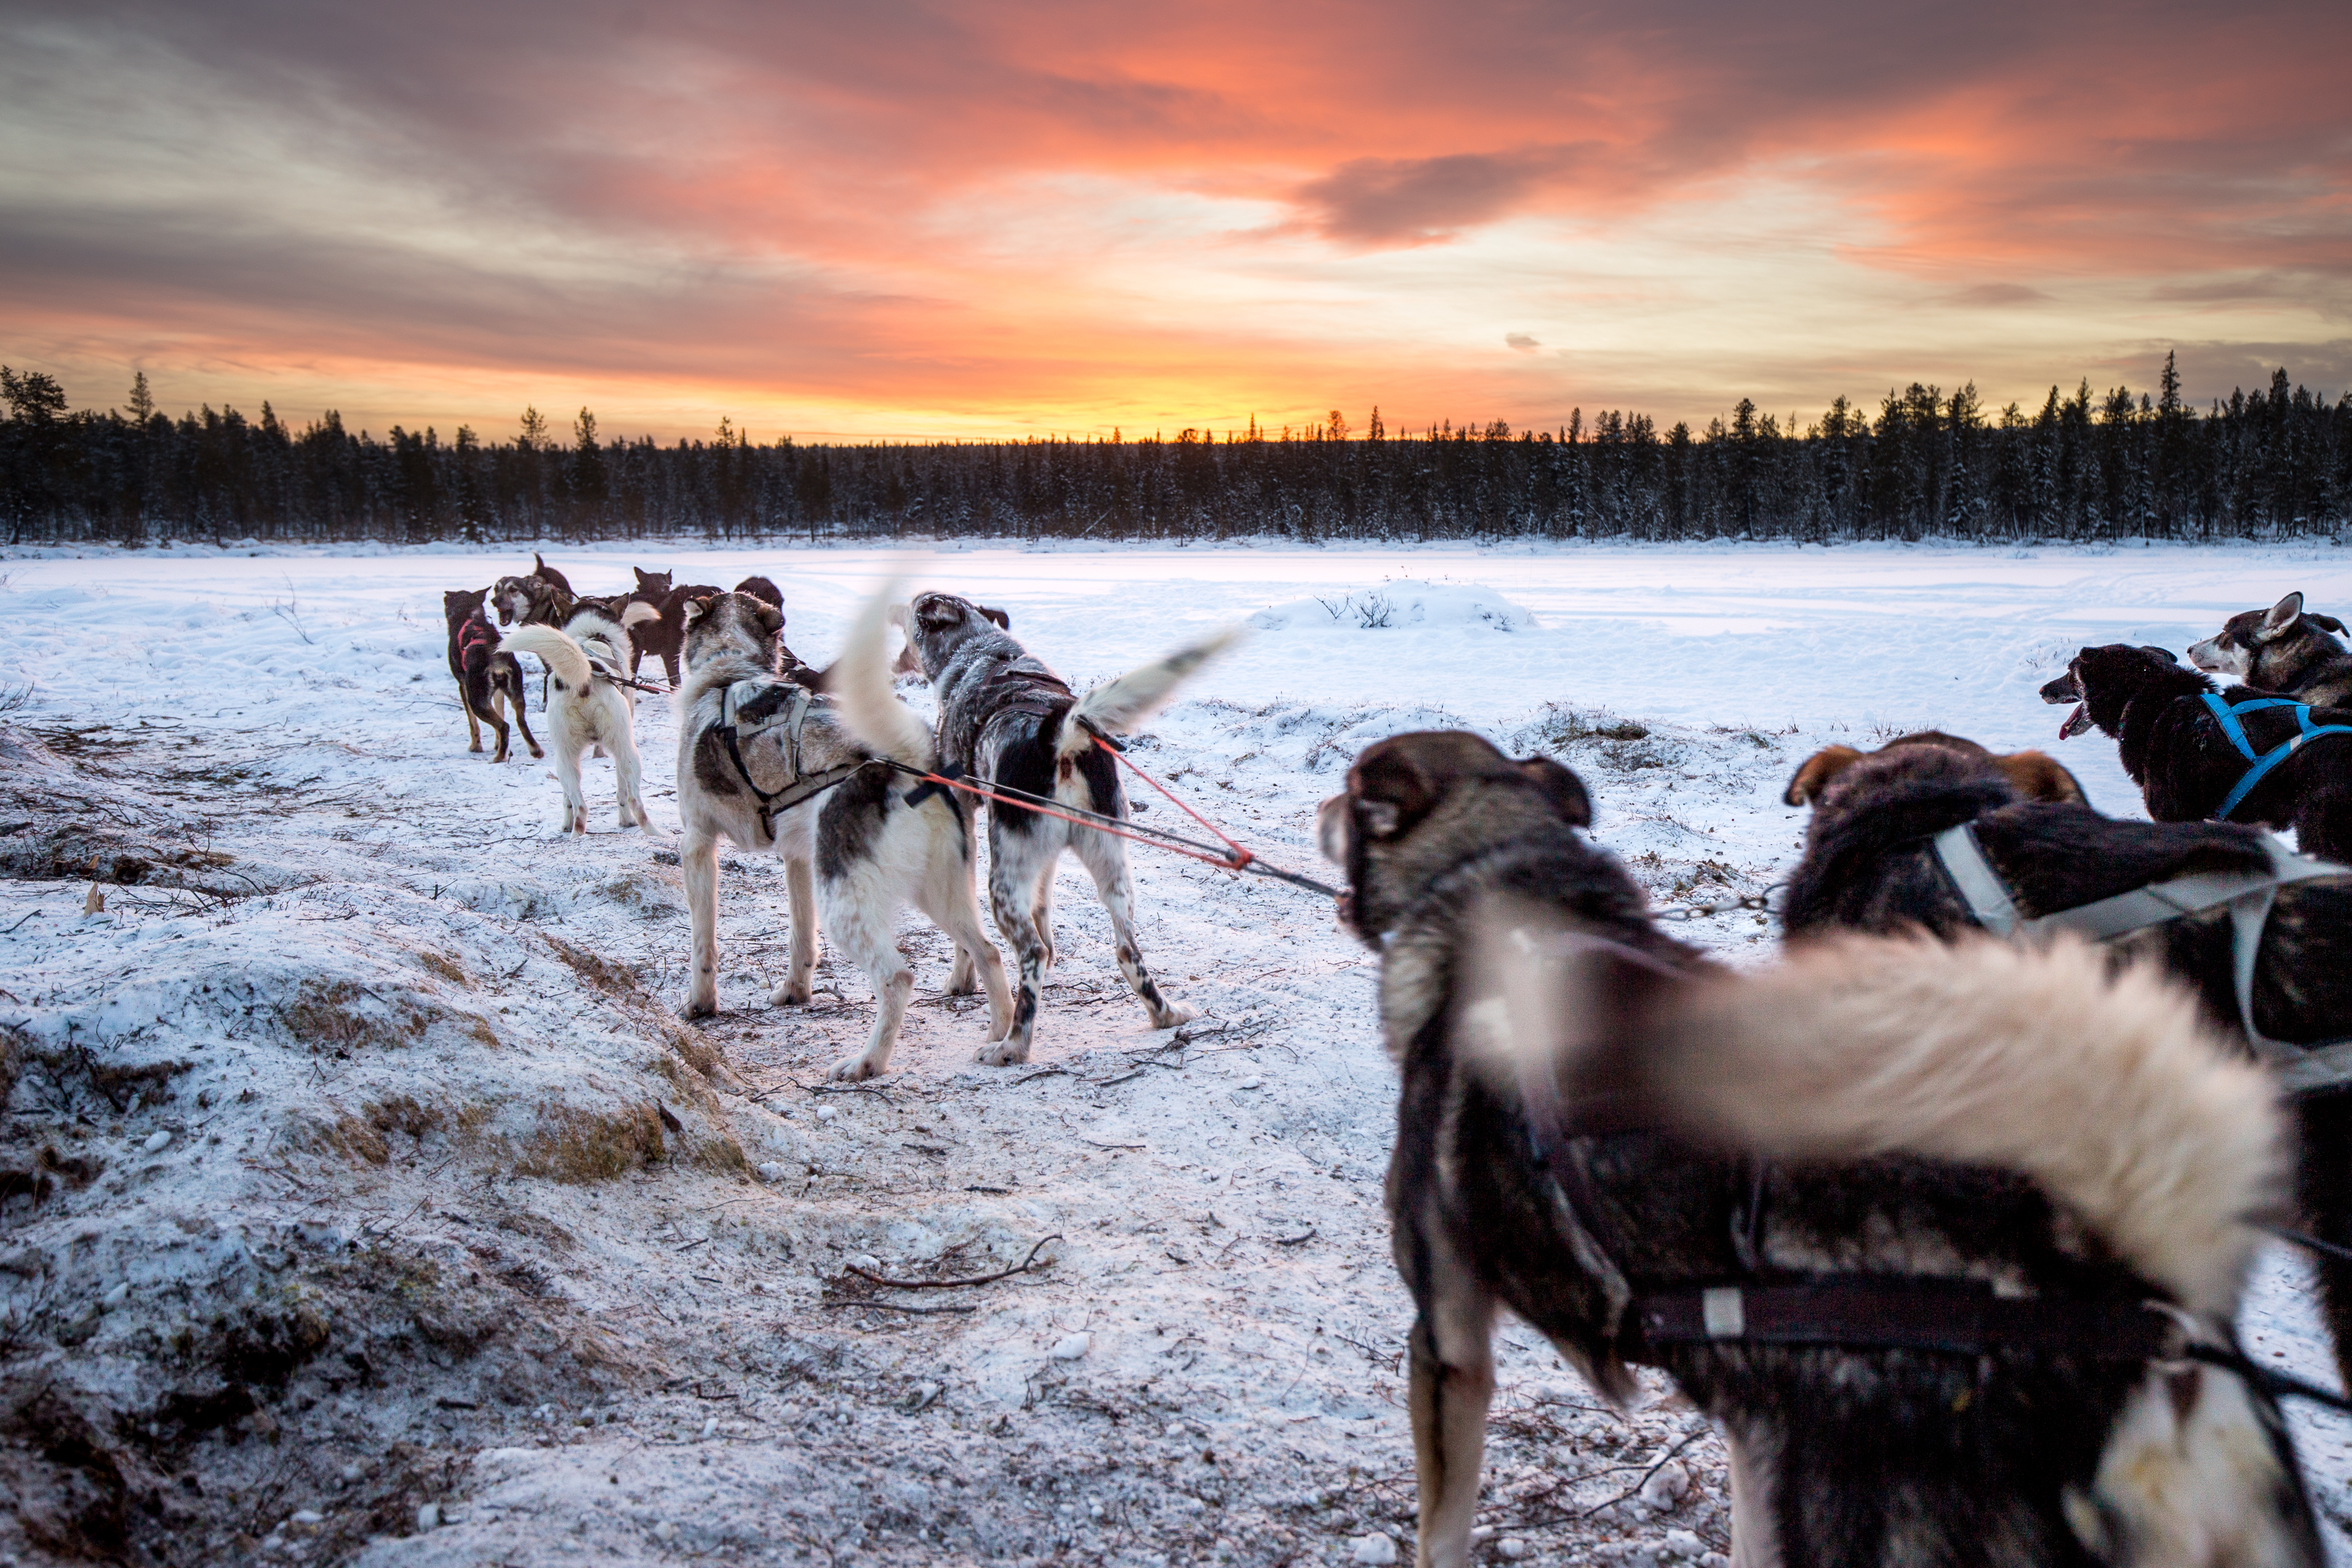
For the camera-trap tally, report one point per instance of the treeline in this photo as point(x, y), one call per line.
point(1928, 465)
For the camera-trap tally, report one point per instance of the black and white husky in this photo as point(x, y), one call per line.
point(585, 661)
point(800, 780)
point(1012, 723)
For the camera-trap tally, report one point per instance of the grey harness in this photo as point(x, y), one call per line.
point(2301, 1069)
point(750, 709)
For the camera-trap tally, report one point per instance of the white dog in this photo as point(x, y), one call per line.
point(586, 662)
point(763, 761)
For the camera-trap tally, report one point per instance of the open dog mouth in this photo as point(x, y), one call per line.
point(2066, 688)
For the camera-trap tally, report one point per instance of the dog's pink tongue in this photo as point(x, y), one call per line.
point(2076, 723)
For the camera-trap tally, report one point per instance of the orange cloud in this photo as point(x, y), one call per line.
point(905, 218)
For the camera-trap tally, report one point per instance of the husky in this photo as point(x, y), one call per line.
point(809, 777)
point(1870, 865)
point(2281, 649)
point(533, 601)
point(1854, 1206)
point(488, 679)
point(585, 659)
point(2290, 771)
point(1010, 723)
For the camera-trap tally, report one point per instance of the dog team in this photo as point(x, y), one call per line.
point(1945, 1220)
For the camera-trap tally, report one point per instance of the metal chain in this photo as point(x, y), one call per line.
point(1759, 901)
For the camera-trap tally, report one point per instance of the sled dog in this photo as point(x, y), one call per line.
point(1011, 724)
point(488, 679)
point(803, 777)
point(1854, 1205)
point(2282, 649)
point(588, 707)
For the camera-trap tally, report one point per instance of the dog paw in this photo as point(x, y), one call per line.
point(536, 754)
point(1173, 1014)
point(790, 995)
point(851, 1069)
point(1003, 1054)
point(696, 1008)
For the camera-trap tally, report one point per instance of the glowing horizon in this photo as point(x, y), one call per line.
point(932, 223)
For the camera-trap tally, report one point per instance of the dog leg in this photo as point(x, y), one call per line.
point(473, 724)
point(947, 898)
point(1755, 1543)
point(1453, 1382)
point(575, 804)
point(800, 884)
point(499, 720)
point(1010, 903)
point(698, 857)
point(1040, 915)
point(629, 773)
point(517, 701)
point(669, 664)
point(861, 932)
point(1105, 858)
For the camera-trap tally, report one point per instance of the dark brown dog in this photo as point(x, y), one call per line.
point(488, 679)
point(1612, 1139)
point(761, 589)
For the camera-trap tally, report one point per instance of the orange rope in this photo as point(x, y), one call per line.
point(1241, 856)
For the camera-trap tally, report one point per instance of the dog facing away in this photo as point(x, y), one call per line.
point(2281, 649)
point(2036, 774)
point(658, 626)
point(549, 574)
point(856, 851)
point(588, 707)
point(761, 589)
point(1869, 867)
point(1634, 1150)
point(1012, 723)
point(489, 680)
point(2175, 749)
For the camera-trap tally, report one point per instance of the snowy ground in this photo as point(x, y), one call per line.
point(381, 1178)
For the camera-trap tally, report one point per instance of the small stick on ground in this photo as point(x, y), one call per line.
point(1019, 1267)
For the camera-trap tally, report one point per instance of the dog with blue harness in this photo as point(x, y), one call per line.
point(2239, 755)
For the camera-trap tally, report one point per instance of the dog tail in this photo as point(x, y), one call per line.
point(1118, 706)
point(859, 683)
point(636, 612)
point(567, 659)
point(2104, 1089)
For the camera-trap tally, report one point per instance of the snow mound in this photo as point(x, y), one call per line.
point(1404, 605)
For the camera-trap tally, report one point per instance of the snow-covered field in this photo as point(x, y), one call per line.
point(382, 1178)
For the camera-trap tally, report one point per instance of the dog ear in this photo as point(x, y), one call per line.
point(2165, 653)
point(1813, 776)
point(2326, 623)
point(2039, 776)
point(1390, 792)
point(998, 616)
point(770, 620)
point(938, 610)
point(696, 608)
point(1561, 787)
point(2282, 617)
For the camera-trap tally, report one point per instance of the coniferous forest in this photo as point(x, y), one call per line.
point(2129, 464)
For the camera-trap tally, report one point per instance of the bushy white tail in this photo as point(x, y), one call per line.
point(1118, 706)
point(567, 658)
point(859, 684)
point(2105, 1090)
point(636, 612)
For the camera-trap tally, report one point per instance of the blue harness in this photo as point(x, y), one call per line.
point(2263, 762)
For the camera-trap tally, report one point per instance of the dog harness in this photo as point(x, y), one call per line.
point(2263, 762)
point(2248, 895)
point(750, 709)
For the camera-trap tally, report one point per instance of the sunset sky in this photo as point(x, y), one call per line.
point(892, 220)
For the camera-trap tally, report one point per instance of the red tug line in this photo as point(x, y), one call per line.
point(1234, 857)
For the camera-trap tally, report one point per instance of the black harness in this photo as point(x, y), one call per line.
point(2248, 895)
point(1032, 693)
point(774, 704)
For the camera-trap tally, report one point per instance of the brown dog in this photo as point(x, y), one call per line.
point(2036, 774)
